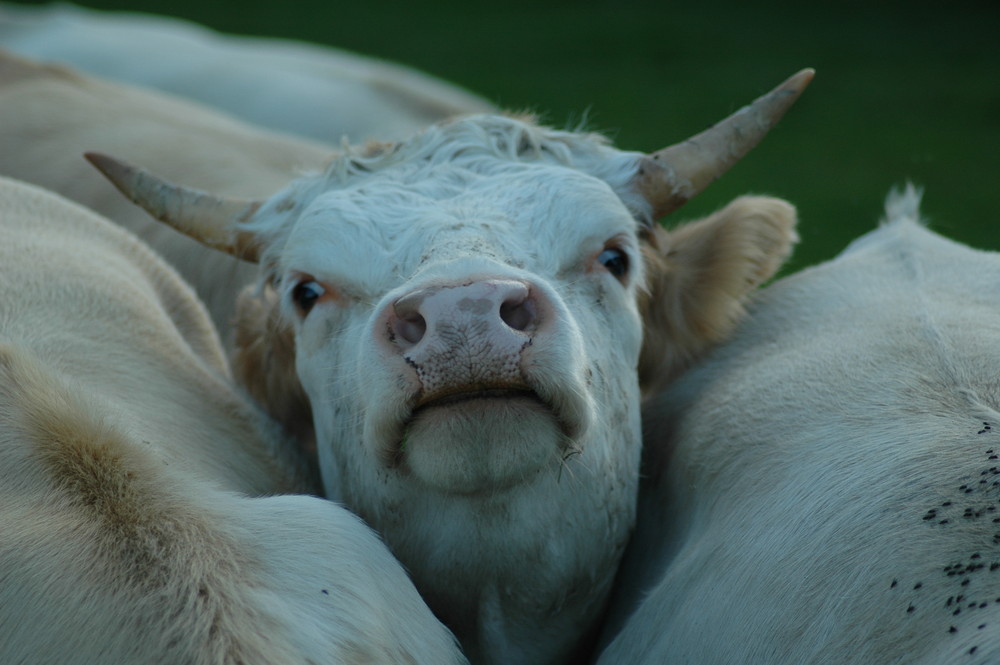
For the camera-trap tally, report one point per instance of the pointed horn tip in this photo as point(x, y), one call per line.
point(797, 82)
point(101, 162)
point(785, 94)
point(115, 170)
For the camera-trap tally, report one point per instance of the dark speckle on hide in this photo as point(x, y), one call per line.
point(966, 588)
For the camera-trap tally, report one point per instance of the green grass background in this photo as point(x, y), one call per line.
point(903, 91)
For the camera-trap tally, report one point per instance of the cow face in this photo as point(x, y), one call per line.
point(466, 335)
point(469, 347)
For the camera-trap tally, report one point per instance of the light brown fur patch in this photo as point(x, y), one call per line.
point(264, 364)
point(699, 276)
point(144, 548)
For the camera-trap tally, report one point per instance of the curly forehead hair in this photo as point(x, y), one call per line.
point(481, 143)
point(442, 160)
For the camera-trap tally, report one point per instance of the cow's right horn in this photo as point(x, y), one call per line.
point(669, 178)
point(207, 218)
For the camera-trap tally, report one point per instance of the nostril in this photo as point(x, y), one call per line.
point(410, 328)
point(518, 313)
point(408, 325)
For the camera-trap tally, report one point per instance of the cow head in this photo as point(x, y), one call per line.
point(466, 311)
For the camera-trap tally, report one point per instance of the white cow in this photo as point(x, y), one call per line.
point(300, 88)
point(467, 310)
point(826, 487)
point(129, 531)
point(50, 116)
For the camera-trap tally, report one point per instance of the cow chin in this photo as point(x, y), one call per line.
point(482, 445)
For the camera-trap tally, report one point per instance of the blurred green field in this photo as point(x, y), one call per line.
point(903, 91)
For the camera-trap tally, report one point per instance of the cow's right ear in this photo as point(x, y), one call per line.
point(264, 364)
point(699, 276)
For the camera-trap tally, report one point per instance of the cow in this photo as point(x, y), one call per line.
point(303, 89)
point(467, 312)
point(50, 115)
point(144, 507)
point(824, 487)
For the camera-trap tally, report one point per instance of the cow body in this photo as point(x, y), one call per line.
point(50, 116)
point(136, 518)
point(826, 487)
point(304, 89)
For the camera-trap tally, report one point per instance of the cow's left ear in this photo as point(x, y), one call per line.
point(700, 274)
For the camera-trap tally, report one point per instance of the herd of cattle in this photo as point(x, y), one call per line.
point(544, 428)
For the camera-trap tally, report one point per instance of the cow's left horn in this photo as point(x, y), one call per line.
point(207, 218)
point(667, 179)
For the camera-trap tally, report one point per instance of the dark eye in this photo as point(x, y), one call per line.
point(305, 295)
point(615, 260)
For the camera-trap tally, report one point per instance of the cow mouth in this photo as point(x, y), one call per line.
point(455, 397)
point(478, 404)
point(473, 402)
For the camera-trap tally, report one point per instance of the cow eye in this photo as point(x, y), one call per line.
point(615, 260)
point(306, 294)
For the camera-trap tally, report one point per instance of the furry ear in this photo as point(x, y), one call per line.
point(700, 274)
point(264, 364)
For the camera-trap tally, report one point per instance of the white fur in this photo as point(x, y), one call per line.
point(299, 88)
point(134, 523)
point(824, 488)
